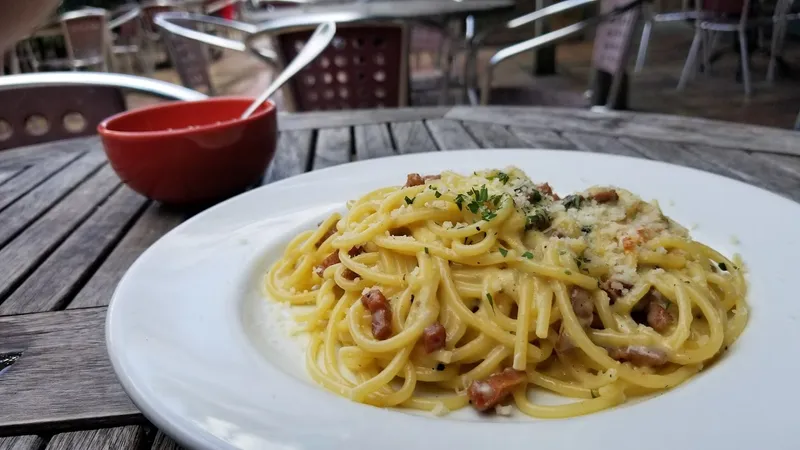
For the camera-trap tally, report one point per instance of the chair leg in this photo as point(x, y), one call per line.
point(641, 55)
point(691, 60)
point(778, 34)
point(745, 62)
point(706, 45)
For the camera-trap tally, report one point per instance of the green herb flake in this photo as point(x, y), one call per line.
point(539, 220)
point(460, 199)
point(535, 197)
point(437, 194)
point(586, 229)
point(488, 215)
point(440, 367)
point(595, 393)
point(573, 201)
point(528, 255)
point(503, 251)
point(426, 250)
point(409, 200)
point(722, 266)
point(491, 300)
point(568, 272)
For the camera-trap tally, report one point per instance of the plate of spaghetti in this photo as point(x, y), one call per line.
point(511, 297)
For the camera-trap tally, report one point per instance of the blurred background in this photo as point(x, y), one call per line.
point(670, 62)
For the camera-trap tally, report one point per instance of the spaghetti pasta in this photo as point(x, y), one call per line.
point(487, 288)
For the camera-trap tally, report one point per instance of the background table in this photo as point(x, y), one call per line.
point(69, 230)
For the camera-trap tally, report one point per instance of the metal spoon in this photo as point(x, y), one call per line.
point(316, 44)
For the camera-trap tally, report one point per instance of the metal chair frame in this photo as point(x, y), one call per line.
point(129, 14)
point(135, 83)
point(72, 62)
point(538, 42)
point(686, 13)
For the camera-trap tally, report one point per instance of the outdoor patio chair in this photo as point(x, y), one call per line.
point(43, 107)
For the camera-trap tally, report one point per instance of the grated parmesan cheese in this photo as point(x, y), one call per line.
point(440, 410)
point(503, 410)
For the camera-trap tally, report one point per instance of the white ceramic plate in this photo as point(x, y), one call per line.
point(209, 360)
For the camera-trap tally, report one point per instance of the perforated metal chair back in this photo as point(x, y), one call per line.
point(36, 115)
point(366, 66)
point(86, 36)
point(190, 58)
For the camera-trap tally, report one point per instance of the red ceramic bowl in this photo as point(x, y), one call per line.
point(191, 152)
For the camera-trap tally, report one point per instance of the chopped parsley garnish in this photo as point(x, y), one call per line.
point(539, 220)
point(409, 200)
point(586, 229)
point(437, 194)
point(488, 215)
point(480, 202)
point(412, 298)
point(440, 367)
point(426, 250)
point(528, 255)
point(722, 266)
point(580, 261)
point(502, 176)
point(535, 197)
point(460, 199)
point(568, 272)
point(573, 201)
point(491, 300)
point(595, 393)
point(503, 251)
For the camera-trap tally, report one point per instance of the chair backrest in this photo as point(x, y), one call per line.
point(126, 25)
point(189, 57)
point(613, 38)
point(86, 35)
point(365, 66)
point(797, 122)
point(34, 115)
point(149, 11)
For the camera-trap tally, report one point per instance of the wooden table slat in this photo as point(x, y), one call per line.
point(164, 442)
point(49, 286)
point(7, 174)
point(412, 137)
point(338, 119)
point(292, 155)
point(451, 135)
point(23, 212)
point(543, 138)
point(333, 147)
point(123, 438)
point(31, 177)
point(490, 135)
point(155, 222)
point(33, 154)
point(751, 170)
point(26, 250)
point(373, 141)
point(64, 378)
point(591, 142)
point(21, 443)
point(631, 124)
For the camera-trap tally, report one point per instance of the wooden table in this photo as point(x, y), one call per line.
point(69, 230)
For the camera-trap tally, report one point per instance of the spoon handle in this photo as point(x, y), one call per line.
point(316, 44)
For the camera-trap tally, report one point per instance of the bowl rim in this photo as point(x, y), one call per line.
point(104, 131)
